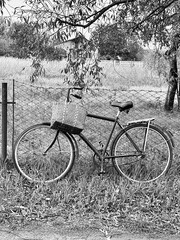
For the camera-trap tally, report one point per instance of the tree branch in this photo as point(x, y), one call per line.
point(159, 9)
point(96, 15)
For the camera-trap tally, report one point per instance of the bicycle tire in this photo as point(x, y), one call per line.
point(146, 168)
point(36, 165)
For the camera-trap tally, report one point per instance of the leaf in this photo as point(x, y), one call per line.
point(80, 12)
point(89, 8)
point(2, 3)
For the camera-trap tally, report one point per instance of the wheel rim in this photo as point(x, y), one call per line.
point(36, 165)
point(153, 164)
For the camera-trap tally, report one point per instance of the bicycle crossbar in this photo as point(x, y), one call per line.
point(101, 117)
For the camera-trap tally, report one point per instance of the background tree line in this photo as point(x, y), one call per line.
point(114, 43)
point(22, 40)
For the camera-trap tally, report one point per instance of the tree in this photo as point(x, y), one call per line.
point(4, 47)
point(26, 41)
point(173, 75)
point(2, 27)
point(4, 39)
point(148, 19)
point(112, 41)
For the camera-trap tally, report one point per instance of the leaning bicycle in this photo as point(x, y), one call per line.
point(141, 151)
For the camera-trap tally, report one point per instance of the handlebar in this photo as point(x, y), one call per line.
point(75, 95)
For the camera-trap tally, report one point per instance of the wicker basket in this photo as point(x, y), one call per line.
point(68, 117)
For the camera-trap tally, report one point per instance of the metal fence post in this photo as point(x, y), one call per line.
point(4, 122)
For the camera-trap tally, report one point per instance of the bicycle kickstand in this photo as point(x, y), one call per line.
point(102, 171)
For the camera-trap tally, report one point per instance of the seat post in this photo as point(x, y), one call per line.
point(117, 115)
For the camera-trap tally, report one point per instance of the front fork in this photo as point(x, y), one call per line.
point(51, 144)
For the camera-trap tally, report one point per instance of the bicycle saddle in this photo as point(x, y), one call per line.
point(122, 105)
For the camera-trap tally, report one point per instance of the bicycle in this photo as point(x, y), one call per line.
point(141, 151)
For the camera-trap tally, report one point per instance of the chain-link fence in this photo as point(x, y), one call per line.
point(33, 105)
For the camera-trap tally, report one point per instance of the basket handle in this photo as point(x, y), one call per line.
point(75, 95)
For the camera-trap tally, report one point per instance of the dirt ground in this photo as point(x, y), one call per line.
point(46, 231)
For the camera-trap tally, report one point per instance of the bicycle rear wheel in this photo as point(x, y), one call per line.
point(42, 154)
point(134, 163)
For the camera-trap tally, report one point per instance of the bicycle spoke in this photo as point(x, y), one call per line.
point(155, 160)
point(42, 154)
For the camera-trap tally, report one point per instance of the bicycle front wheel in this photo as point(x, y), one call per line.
point(42, 154)
point(136, 163)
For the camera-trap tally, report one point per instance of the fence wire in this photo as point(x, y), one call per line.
point(33, 105)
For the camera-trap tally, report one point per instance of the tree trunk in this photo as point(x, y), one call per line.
point(173, 74)
point(178, 93)
point(172, 87)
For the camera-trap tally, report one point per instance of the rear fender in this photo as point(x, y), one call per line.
point(170, 135)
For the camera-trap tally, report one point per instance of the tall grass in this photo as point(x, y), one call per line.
point(21, 69)
point(127, 74)
point(107, 204)
point(116, 74)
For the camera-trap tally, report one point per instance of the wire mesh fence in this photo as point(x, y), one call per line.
point(33, 105)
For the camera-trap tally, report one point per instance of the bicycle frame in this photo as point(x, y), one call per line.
point(116, 122)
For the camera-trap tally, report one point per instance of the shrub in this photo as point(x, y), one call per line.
point(4, 47)
point(52, 53)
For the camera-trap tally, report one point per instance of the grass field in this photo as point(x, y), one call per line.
point(115, 74)
point(84, 199)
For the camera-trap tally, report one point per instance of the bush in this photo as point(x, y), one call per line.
point(52, 53)
point(27, 42)
point(4, 47)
